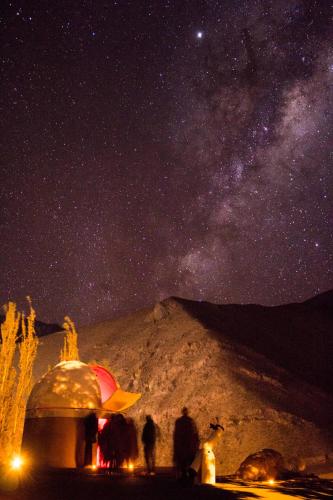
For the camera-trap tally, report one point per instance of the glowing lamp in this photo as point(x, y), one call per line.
point(130, 466)
point(94, 467)
point(271, 481)
point(16, 463)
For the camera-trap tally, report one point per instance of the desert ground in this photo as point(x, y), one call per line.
point(72, 485)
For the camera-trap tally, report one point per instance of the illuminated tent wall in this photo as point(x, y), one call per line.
point(54, 432)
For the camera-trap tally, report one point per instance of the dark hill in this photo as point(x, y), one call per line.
point(297, 337)
point(40, 327)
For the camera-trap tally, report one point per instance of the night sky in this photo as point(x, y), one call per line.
point(157, 148)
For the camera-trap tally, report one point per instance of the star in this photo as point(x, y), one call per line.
point(203, 169)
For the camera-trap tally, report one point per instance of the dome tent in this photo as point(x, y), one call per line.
point(59, 403)
point(70, 385)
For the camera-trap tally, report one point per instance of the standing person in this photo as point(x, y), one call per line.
point(91, 430)
point(131, 438)
point(113, 442)
point(185, 443)
point(106, 441)
point(149, 443)
point(205, 458)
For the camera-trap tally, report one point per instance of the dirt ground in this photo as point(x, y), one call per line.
point(71, 485)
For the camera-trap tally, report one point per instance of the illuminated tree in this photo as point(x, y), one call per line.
point(27, 354)
point(9, 329)
point(15, 384)
point(70, 352)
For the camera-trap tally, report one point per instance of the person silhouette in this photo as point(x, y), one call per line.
point(148, 439)
point(112, 442)
point(91, 430)
point(185, 443)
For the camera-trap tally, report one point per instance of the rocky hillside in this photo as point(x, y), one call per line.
point(298, 337)
point(246, 364)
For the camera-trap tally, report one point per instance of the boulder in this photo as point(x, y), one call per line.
point(263, 465)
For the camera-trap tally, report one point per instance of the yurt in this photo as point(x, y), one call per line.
point(59, 406)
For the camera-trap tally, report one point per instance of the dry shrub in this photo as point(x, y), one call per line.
point(15, 383)
point(70, 352)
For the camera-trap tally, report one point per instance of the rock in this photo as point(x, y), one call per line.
point(295, 464)
point(160, 312)
point(262, 466)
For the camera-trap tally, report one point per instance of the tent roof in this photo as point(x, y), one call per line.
point(73, 385)
point(69, 384)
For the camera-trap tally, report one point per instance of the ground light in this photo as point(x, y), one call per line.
point(16, 463)
point(11, 473)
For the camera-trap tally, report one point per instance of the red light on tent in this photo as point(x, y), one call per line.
point(107, 383)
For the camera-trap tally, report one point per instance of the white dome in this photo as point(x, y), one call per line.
point(69, 385)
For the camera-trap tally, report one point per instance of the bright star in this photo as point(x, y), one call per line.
point(199, 34)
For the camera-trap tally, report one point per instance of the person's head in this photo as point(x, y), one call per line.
point(185, 412)
point(149, 418)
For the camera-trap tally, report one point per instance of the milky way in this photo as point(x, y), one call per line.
point(165, 148)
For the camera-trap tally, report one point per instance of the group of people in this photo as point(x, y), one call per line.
point(185, 443)
point(118, 445)
point(118, 442)
point(190, 456)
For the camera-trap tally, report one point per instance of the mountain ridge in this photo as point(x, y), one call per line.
point(296, 336)
point(41, 327)
point(184, 353)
